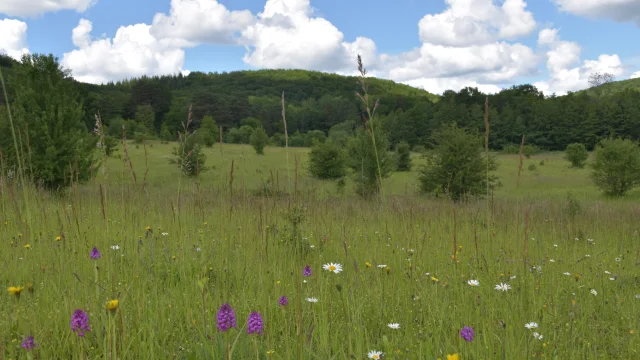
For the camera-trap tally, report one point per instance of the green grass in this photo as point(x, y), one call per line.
point(250, 250)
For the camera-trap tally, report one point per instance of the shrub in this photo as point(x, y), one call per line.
point(456, 165)
point(313, 137)
point(362, 160)
point(110, 145)
point(259, 140)
point(403, 156)
point(577, 155)
point(616, 168)
point(296, 140)
point(277, 139)
point(209, 131)
point(188, 155)
point(326, 161)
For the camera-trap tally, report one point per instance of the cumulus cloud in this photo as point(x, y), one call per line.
point(475, 22)
point(635, 75)
point(132, 52)
point(563, 62)
point(617, 10)
point(38, 7)
point(200, 21)
point(286, 35)
point(13, 41)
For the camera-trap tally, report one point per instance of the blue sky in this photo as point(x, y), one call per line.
point(322, 35)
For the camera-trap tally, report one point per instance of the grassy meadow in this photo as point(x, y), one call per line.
point(174, 250)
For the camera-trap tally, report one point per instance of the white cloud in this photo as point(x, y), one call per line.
point(287, 36)
point(617, 10)
point(635, 75)
point(475, 22)
point(200, 21)
point(38, 7)
point(440, 85)
point(13, 41)
point(132, 52)
point(563, 62)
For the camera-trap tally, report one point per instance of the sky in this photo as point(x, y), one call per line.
point(436, 45)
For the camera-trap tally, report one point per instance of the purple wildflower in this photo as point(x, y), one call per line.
point(95, 254)
point(226, 318)
point(307, 271)
point(283, 301)
point(80, 322)
point(254, 323)
point(29, 343)
point(467, 333)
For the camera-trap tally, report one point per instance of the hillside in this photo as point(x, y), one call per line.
point(614, 87)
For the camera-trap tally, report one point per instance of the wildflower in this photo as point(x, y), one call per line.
point(312, 300)
point(112, 305)
point(594, 292)
point(254, 323)
point(27, 246)
point(555, 245)
point(226, 318)
point(58, 238)
point(473, 283)
point(367, 264)
point(382, 266)
point(80, 322)
point(394, 326)
point(513, 277)
point(29, 343)
point(467, 333)
point(270, 352)
point(587, 255)
point(115, 247)
point(387, 269)
point(531, 325)
point(336, 268)
point(283, 301)
point(30, 287)
point(307, 271)
point(148, 228)
point(15, 290)
point(434, 279)
point(453, 357)
point(165, 233)
point(373, 354)
point(577, 277)
point(95, 254)
point(503, 287)
point(638, 296)
point(537, 336)
point(607, 272)
point(567, 273)
point(618, 259)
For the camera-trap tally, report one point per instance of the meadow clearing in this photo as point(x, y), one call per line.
point(172, 251)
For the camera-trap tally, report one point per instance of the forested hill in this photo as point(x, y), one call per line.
point(326, 104)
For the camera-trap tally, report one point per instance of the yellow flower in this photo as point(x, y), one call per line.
point(58, 238)
point(278, 282)
point(270, 352)
point(367, 264)
point(577, 277)
point(453, 357)
point(173, 257)
point(112, 305)
point(206, 223)
point(388, 270)
point(19, 235)
point(30, 287)
point(434, 279)
point(27, 246)
point(148, 228)
point(15, 290)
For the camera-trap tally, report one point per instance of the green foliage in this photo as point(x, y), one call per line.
point(165, 134)
point(342, 132)
point(48, 118)
point(313, 137)
point(188, 155)
point(616, 168)
point(252, 122)
point(277, 139)
point(297, 140)
point(403, 153)
point(327, 161)
point(110, 145)
point(145, 116)
point(209, 131)
point(259, 140)
point(456, 166)
point(361, 154)
point(577, 155)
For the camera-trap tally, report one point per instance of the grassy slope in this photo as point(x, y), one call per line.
point(615, 87)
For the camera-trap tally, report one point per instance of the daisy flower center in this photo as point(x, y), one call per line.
point(376, 357)
point(333, 268)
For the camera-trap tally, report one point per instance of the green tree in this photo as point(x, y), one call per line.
point(209, 131)
point(362, 160)
point(326, 161)
point(616, 168)
point(188, 155)
point(456, 165)
point(259, 140)
point(145, 116)
point(403, 153)
point(48, 117)
point(313, 137)
point(165, 134)
point(577, 155)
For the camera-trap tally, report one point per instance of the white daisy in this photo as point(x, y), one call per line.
point(618, 259)
point(612, 279)
point(594, 292)
point(555, 245)
point(503, 287)
point(531, 325)
point(638, 296)
point(115, 247)
point(165, 233)
point(513, 277)
point(607, 272)
point(336, 268)
point(382, 266)
point(567, 273)
point(373, 354)
point(587, 255)
point(537, 336)
point(551, 260)
point(312, 300)
point(394, 325)
point(473, 283)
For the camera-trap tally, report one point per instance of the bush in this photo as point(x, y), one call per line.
point(259, 140)
point(616, 168)
point(528, 150)
point(403, 154)
point(456, 165)
point(296, 140)
point(326, 161)
point(577, 155)
point(165, 134)
point(110, 145)
point(277, 139)
point(533, 167)
point(362, 159)
point(313, 137)
point(209, 131)
point(188, 156)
